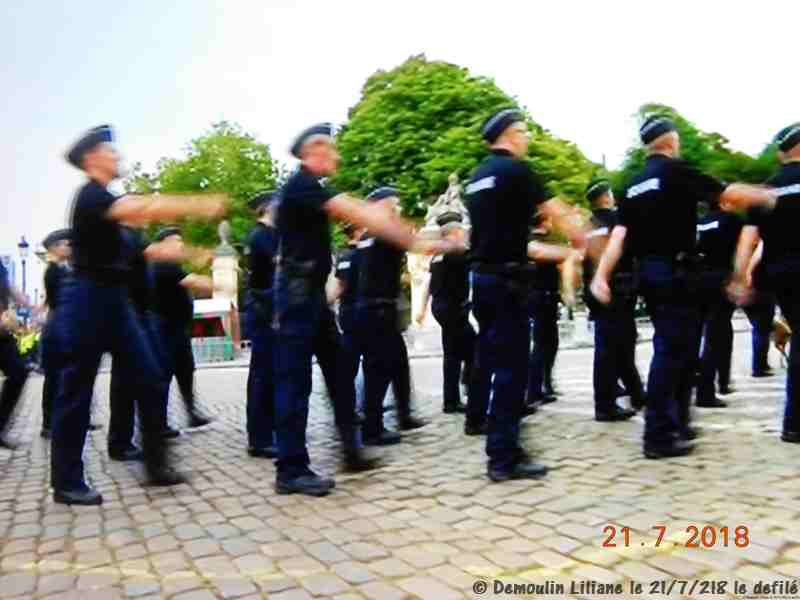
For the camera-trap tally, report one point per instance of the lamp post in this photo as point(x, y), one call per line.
point(24, 246)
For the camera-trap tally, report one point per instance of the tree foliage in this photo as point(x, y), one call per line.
point(225, 159)
point(708, 151)
point(419, 122)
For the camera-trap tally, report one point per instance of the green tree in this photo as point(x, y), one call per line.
point(419, 122)
point(225, 159)
point(708, 151)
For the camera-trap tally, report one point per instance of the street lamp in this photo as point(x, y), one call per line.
point(24, 246)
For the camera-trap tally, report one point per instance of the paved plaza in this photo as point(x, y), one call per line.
point(428, 524)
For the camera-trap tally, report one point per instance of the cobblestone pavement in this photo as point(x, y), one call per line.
point(428, 524)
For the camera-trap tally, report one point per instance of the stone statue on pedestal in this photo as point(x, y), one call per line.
point(450, 201)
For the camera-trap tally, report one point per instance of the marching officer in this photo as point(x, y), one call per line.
point(449, 290)
point(377, 324)
point(304, 322)
point(11, 363)
point(761, 314)
point(173, 312)
point(717, 236)
point(57, 272)
point(262, 255)
point(95, 316)
point(658, 218)
point(502, 196)
point(614, 324)
point(779, 269)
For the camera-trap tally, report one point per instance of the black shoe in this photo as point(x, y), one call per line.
point(46, 433)
point(131, 454)
point(473, 429)
point(450, 409)
point(713, 402)
point(408, 423)
point(169, 433)
point(724, 390)
point(541, 399)
point(519, 471)
point(310, 485)
point(88, 497)
point(95, 426)
point(621, 392)
point(638, 403)
point(676, 448)
point(196, 421)
point(263, 452)
point(549, 390)
point(166, 477)
point(384, 438)
point(764, 373)
point(356, 460)
point(690, 433)
point(615, 414)
point(791, 437)
point(529, 408)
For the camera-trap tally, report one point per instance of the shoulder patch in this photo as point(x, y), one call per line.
point(485, 183)
point(649, 185)
point(708, 226)
point(788, 190)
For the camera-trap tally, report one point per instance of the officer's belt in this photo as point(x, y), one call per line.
point(112, 277)
point(367, 302)
point(682, 258)
point(509, 268)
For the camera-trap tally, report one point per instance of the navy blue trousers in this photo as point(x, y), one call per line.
point(177, 360)
point(306, 327)
point(761, 314)
point(385, 355)
point(50, 366)
point(500, 306)
point(94, 318)
point(543, 312)
point(13, 367)
point(615, 354)
point(260, 377)
point(676, 320)
point(458, 346)
point(717, 345)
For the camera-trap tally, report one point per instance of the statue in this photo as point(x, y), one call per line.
point(224, 248)
point(450, 201)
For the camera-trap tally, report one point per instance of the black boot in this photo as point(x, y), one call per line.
point(356, 460)
point(450, 409)
point(712, 402)
point(614, 414)
point(670, 450)
point(87, 497)
point(522, 470)
point(408, 422)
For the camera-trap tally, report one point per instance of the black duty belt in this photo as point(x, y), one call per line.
point(509, 268)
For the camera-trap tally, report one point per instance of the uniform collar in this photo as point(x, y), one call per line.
point(502, 152)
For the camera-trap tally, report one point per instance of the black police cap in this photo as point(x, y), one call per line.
point(322, 130)
point(788, 137)
point(166, 232)
point(382, 193)
point(261, 199)
point(54, 237)
point(90, 140)
point(655, 126)
point(499, 122)
point(449, 217)
point(597, 188)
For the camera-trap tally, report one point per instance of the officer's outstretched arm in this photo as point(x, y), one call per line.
point(394, 230)
point(153, 208)
point(552, 253)
point(741, 196)
point(198, 283)
point(607, 264)
point(565, 221)
point(745, 249)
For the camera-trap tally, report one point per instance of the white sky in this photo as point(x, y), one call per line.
point(162, 72)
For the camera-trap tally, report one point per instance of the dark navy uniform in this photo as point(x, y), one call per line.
point(614, 328)
point(305, 325)
point(11, 363)
point(378, 333)
point(659, 211)
point(761, 314)
point(543, 312)
point(779, 271)
point(717, 236)
point(347, 274)
point(449, 289)
point(55, 276)
point(96, 316)
point(262, 254)
point(502, 197)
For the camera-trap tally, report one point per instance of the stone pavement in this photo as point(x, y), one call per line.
point(428, 524)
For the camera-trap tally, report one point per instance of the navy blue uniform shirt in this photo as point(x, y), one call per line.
point(380, 267)
point(659, 208)
point(347, 273)
point(171, 300)
point(303, 225)
point(98, 248)
point(54, 277)
point(546, 276)
point(5, 288)
point(262, 253)
point(140, 285)
point(502, 197)
point(717, 236)
point(450, 279)
point(779, 227)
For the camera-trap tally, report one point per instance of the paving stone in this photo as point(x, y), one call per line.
point(379, 590)
point(324, 584)
point(353, 572)
point(428, 588)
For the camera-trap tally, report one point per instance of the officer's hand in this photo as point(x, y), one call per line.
point(419, 318)
point(740, 292)
point(212, 208)
point(601, 290)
